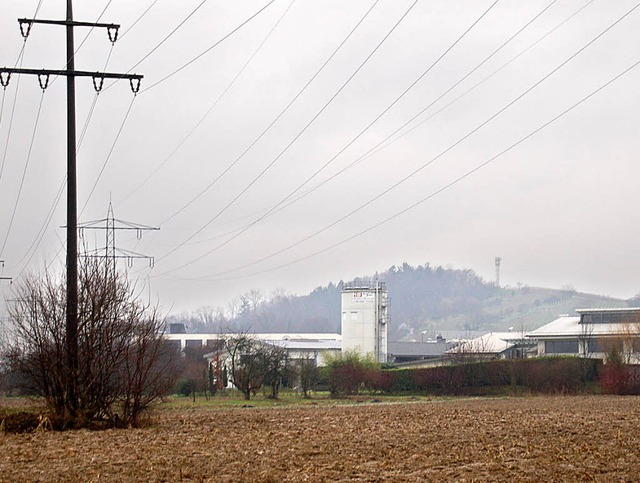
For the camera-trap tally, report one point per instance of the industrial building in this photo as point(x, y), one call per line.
point(592, 333)
point(365, 318)
point(317, 346)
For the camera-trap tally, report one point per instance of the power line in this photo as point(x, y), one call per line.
point(208, 49)
point(139, 18)
point(291, 142)
point(24, 174)
point(371, 150)
point(444, 188)
point(277, 118)
point(47, 221)
point(378, 117)
point(377, 148)
point(213, 106)
point(41, 233)
point(167, 37)
point(71, 312)
point(104, 165)
point(13, 108)
point(442, 153)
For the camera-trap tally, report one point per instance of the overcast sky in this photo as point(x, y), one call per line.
point(200, 156)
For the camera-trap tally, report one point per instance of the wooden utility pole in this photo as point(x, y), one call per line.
point(71, 328)
point(72, 223)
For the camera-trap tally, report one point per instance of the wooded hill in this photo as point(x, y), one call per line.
point(422, 298)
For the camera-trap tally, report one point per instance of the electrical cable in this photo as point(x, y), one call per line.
point(24, 174)
point(292, 141)
point(213, 106)
point(4, 93)
point(444, 188)
point(13, 111)
point(277, 118)
point(40, 235)
point(208, 49)
point(167, 37)
point(47, 221)
point(378, 117)
point(139, 18)
point(442, 153)
point(377, 149)
point(104, 165)
point(276, 209)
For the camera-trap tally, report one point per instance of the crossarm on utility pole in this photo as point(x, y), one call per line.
point(68, 23)
point(75, 73)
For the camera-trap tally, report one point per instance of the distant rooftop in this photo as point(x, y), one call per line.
point(364, 285)
point(591, 323)
point(625, 310)
point(418, 349)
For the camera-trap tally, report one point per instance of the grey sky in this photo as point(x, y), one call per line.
point(558, 208)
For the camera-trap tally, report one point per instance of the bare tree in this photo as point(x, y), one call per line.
point(308, 373)
point(211, 317)
point(275, 367)
point(245, 357)
point(233, 308)
point(254, 363)
point(124, 361)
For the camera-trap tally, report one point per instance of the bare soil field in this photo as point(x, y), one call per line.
point(594, 438)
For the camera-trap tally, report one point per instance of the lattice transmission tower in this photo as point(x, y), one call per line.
point(111, 253)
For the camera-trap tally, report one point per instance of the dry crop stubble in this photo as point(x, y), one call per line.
point(523, 439)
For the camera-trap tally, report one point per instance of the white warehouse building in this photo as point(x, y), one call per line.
point(364, 319)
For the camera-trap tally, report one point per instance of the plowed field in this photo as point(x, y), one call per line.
point(520, 439)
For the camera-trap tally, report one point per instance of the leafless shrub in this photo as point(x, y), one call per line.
point(253, 363)
point(124, 362)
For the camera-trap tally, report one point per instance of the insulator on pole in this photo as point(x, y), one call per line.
point(98, 82)
point(112, 32)
point(25, 31)
point(5, 77)
point(43, 80)
point(135, 85)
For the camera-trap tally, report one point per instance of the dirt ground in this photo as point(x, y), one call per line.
point(519, 439)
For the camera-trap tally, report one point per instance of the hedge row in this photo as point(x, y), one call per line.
point(540, 375)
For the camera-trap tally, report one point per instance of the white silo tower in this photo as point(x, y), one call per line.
point(364, 318)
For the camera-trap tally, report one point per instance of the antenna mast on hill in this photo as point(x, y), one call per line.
point(498, 260)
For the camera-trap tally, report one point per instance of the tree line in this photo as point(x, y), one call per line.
point(417, 294)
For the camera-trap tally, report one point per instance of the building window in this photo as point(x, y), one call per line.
point(193, 344)
point(595, 345)
point(608, 318)
point(604, 345)
point(174, 344)
point(569, 346)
